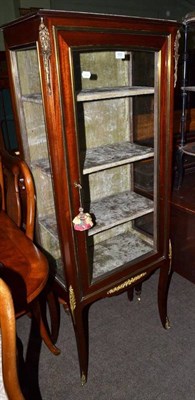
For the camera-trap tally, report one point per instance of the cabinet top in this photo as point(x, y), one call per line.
point(63, 16)
point(189, 18)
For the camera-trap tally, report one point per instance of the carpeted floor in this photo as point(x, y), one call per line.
point(131, 356)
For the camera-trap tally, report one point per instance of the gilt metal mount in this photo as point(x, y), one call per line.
point(127, 283)
point(72, 301)
point(176, 56)
point(46, 51)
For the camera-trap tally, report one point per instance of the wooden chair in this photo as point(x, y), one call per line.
point(8, 345)
point(23, 266)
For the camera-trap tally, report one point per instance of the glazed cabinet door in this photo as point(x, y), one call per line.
point(118, 161)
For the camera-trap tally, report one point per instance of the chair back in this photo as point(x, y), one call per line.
point(8, 344)
point(17, 193)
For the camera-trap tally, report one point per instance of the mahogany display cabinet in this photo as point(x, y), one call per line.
point(93, 103)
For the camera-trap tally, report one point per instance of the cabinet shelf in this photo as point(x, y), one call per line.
point(43, 179)
point(49, 235)
point(189, 148)
point(133, 206)
point(110, 93)
point(33, 98)
point(113, 155)
point(188, 88)
point(50, 225)
point(43, 165)
point(117, 251)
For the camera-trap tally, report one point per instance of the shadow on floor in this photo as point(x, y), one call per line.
point(28, 365)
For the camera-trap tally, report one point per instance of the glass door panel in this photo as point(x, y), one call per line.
point(116, 106)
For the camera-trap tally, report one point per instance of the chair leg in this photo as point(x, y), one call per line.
point(36, 312)
point(54, 311)
point(8, 344)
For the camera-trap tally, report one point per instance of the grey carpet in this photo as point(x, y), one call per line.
point(131, 356)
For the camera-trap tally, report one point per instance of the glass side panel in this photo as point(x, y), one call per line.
point(34, 139)
point(116, 104)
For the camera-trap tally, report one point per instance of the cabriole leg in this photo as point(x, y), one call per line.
point(164, 280)
point(82, 338)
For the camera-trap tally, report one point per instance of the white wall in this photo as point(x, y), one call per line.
point(34, 3)
point(9, 10)
point(7, 13)
point(171, 9)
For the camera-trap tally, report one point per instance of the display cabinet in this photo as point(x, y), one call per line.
point(93, 103)
point(187, 140)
